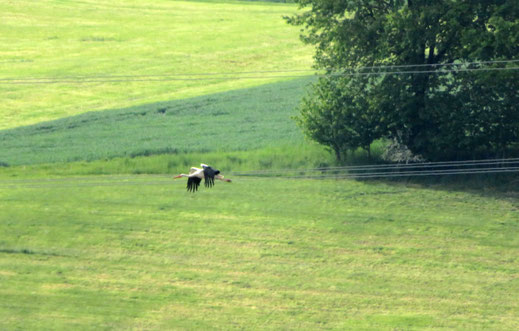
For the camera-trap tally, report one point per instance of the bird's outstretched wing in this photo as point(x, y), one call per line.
point(209, 174)
point(193, 183)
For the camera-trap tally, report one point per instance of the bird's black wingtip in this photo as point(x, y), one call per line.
point(192, 184)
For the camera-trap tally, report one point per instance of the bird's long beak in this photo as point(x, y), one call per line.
point(177, 177)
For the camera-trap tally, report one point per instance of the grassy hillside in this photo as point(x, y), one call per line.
point(245, 119)
point(99, 39)
point(83, 250)
point(141, 253)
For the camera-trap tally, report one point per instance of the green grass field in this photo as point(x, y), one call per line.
point(95, 233)
point(93, 38)
point(240, 120)
point(139, 252)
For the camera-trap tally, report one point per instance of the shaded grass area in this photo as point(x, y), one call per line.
point(256, 254)
point(244, 120)
point(121, 38)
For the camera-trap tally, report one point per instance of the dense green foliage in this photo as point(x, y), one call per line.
point(244, 119)
point(338, 114)
point(444, 112)
point(139, 252)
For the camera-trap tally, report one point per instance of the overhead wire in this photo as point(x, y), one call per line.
point(93, 183)
point(404, 174)
point(402, 170)
point(280, 71)
point(395, 166)
point(86, 81)
point(436, 64)
point(489, 166)
point(260, 74)
point(272, 71)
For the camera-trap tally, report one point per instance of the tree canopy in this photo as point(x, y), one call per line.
point(449, 107)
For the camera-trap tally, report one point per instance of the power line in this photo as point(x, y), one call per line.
point(157, 75)
point(426, 173)
point(267, 71)
point(473, 171)
point(397, 166)
point(434, 64)
point(237, 75)
point(86, 81)
point(94, 183)
point(485, 167)
point(65, 184)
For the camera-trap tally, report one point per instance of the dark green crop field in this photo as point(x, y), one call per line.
point(246, 119)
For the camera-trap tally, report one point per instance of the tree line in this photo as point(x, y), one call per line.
point(445, 109)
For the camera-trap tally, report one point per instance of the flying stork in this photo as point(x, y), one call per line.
point(196, 175)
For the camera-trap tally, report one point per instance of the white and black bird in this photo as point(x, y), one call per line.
point(207, 173)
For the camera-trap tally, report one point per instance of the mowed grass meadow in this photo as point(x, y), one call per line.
point(139, 252)
point(96, 234)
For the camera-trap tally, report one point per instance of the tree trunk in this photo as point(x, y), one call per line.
point(338, 155)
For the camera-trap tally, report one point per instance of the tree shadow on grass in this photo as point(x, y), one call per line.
point(498, 186)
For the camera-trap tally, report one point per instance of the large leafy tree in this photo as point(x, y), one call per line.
point(338, 114)
point(441, 112)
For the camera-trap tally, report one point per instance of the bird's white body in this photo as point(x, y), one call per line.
point(197, 172)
